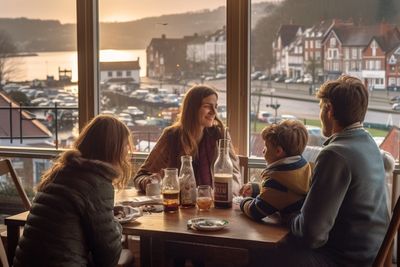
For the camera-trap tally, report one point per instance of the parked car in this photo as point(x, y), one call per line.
point(255, 75)
point(65, 118)
point(134, 112)
point(153, 98)
point(280, 79)
point(220, 76)
point(396, 106)
point(315, 136)
point(278, 119)
point(221, 109)
point(264, 115)
point(263, 77)
point(139, 94)
point(395, 99)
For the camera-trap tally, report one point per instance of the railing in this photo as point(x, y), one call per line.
point(26, 115)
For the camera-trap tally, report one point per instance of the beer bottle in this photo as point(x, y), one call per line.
point(187, 183)
point(223, 176)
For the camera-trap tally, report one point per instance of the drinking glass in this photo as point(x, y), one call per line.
point(204, 197)
point(170, 190)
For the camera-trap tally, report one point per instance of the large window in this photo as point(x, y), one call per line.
point(165, 50)
point(38, 74)
point(148, 57)
point(284, 85)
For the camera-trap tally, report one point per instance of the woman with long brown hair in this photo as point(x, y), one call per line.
point(195, 133)
point(71, 221)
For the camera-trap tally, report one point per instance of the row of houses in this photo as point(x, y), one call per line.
point(326, 50)
point(174, 57)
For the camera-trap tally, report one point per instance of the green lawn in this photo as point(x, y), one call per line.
point(372, 131)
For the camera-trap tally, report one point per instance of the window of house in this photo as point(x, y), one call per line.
point(119, 73)
point(128, 73)
point(354, 53)
point(332, 41)
point(318, 55)
point(346, 53)
point(109, 74)
point(377, 64)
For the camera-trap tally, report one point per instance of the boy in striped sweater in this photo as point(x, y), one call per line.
point(286, 180)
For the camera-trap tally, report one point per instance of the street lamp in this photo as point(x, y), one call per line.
point(275, 106)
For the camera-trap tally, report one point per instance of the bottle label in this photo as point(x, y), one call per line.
point(223, 187)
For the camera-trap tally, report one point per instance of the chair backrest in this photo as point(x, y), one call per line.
point(387, 243)
point(3, 255)
point(244, 168)
point(7, 168)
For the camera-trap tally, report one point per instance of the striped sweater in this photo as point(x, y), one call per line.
point(284, 187)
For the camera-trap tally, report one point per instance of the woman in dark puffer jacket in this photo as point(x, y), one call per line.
point(71, 222)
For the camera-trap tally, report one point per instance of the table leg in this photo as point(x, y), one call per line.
point(145, 251)
point(13, 233)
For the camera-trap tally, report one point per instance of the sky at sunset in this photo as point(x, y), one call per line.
point(110, 10)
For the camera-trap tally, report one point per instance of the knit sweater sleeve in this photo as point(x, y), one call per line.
point(157, 160)
point(330, 182)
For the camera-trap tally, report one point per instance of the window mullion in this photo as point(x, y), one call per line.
point(237, 70)
point(87, 38)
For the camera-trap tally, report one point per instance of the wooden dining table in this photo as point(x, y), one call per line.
point(165, 236)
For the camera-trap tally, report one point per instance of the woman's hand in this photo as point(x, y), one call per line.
point(246, 190)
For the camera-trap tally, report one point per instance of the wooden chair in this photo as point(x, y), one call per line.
point(7, 168)
point(3, 256)
point(383, 258)
point(244, 168)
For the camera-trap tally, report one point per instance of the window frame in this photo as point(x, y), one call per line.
point(237, 49)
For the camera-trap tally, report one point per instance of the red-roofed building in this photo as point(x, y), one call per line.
point(280, 47)
point(166, 57)
point(376, 58)
point(15, 124)
point(393, 68)
point(391, 143)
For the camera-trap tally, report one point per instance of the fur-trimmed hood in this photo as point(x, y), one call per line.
point(73, 159)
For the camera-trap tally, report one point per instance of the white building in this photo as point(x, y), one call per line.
point(120, 72)
point(215, 48)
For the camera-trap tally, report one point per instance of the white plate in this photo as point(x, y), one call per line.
point(207, 224)
point(125, 214)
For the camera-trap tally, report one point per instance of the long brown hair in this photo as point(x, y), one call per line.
point(104, 138)
point(188, 119)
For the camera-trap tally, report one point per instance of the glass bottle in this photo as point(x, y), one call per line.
point(170, 190)
point(187, 183)
point(223, 176)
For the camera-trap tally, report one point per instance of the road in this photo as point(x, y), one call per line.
point(294, 99)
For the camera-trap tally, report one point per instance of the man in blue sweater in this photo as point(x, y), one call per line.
point(344, 217)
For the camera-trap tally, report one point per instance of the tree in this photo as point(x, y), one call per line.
point(20, 98)
point(313, 67)
point(7, 49)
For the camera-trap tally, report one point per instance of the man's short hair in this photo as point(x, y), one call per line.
point(291, 135)
point(348, 97)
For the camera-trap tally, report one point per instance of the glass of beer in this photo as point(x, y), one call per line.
point(170, 190)
point(204, 197)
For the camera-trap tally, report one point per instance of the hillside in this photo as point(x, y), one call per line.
point(33, 35)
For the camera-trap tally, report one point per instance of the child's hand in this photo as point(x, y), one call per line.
point(246, 190)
